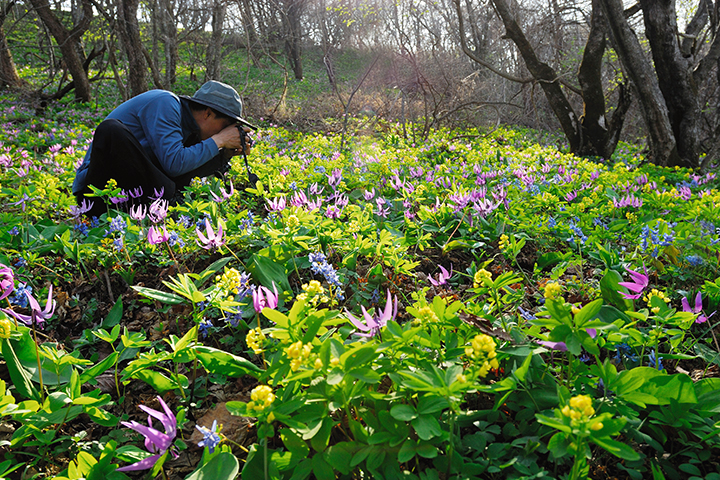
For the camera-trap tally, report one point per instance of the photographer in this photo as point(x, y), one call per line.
point(160, 141)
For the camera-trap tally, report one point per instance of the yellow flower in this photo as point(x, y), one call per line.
point(292, 221)
point(504, 242)
point(262, 396)
point(596, 426)
point(482, 350)
point(5, 328)
point(426, 314)
point(552, 291)
point(481, 278)
point(254, 340)
point(461, 378)
point(579, 407)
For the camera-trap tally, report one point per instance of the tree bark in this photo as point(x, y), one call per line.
point(674, 77)
point(293, 36)
point(661, 138)
point(545, 75)
point(214, 50)
point(169, 31)
point(130, 38)
point(600, 136)
point(8, 72)
point(68, 41)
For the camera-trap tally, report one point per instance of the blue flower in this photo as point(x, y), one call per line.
point(204, 327)
point(211, 439)
point(694, 260)
point(654, 361)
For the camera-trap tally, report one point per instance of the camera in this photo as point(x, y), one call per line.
point(244, 140)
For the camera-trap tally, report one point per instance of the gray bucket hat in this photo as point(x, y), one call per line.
point(221, 97)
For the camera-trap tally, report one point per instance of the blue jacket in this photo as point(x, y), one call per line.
point(163, 124)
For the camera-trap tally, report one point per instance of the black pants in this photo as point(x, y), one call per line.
point(117, 154)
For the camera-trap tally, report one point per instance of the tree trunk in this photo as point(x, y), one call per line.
point(8, 73)
point(545, 75)
point(661, 138)
point(674, 77)
point(600, 137)
point(294, 36)
point(171, 43)
point(130, 37)
point(69, 43)
point(214, 50)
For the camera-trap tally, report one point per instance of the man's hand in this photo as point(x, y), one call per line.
point(229, 139)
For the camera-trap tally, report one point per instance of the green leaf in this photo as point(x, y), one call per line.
point(294, 443)
point(157, 380)
point(618, 449)
point(426, 450)
point(559, 311)
point(114, 315)
point(426, 427)
point(20, 376)
point(407, 451)
point(320, 440)
point(321, 469)
point(159, 295)
point(267, 272)
point(223, 466)
point(588, 312)
point(221, 362)
point(609, 287)
point(429, 404)
point(340, 455)
point(403, 412)
point(553, 422)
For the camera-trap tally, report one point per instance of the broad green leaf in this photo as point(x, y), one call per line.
point(610, 288)
point(403, 412)
point(588, 312)
point(114, 316)
point(219, 361)
point(21, 378)
point(223, 466)
point(159, 295)
point(618, 449)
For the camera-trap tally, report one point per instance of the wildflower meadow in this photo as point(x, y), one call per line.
point(475, 305)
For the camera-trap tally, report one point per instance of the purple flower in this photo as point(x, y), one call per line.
point(157, 195)
point(264, 298)
point(81, 209)
point(156, 441)
point(373, 323)
point(212, 240)
point(640, 282)
point(38, 314)
point(686, 308)
point(299, 199)
point(315, 189)
point(278, 204)
point(136, 192)
point(443, 277)
point(155, 236)
point(333, 212)
point(138, 212)
point(158, 210)
point(7, 281)
point(369, 194)
point(224, 195)
point(335, 178)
